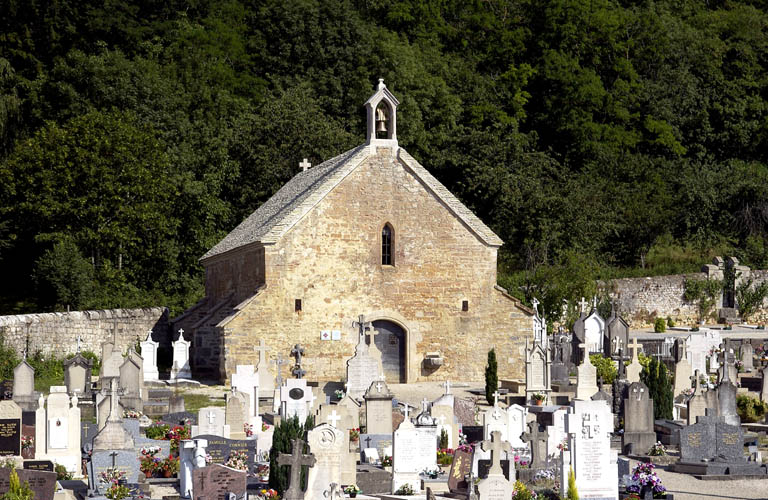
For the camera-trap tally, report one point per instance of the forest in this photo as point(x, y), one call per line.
point(598, 138)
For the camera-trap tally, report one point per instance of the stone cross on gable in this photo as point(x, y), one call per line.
point(583, 304)
point(536, 437)
point(333, 419)
point(634, 346)
point(261, 349)
point(149, 335)
point(535, 302)
point(305, 165)
point(295, 461)
point(279, 362)
point(447, 387)
point(114, 455)
point(24, 353)
point(496, 446)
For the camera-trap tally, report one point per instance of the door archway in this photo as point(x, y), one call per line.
point(391, 341)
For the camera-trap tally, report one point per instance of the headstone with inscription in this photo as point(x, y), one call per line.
point(413, 451)
point(537, 369)
point(10, 429)
point(639, 436)
point(216, 481)
point(363, 368)
point(266, 378)
point(237, 413)
point(586, 377)
point(378, 408)
point(296, 399)
point(131, 384)
point(460, 469)
point(126, 461)
point(24, 386)
point(77, 375)
point(746, 354)
point(57, 429)
point(516, 419)
point(221, 450)
point(211, 420)
point(328, 446)
point(42, 483)
point(495, 486)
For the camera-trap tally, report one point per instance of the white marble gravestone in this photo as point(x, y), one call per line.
point(516, 418)
point(328, 446)
point(266, 378)
point(180, 367)
point(556, 433)
point(363, 368)
point(537, 370)
point(495, 419)
point(699, 345)
point(682, 375)
point(586, 377)
point(211, 420)
point(237, 413)
point(594, 332)
point(149, 354)
point(191, 456)
point(414, 449)
point(57, 429)
point(245, 379)
point(589, 427)
point(496, 486)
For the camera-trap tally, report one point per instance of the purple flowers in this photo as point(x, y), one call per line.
point(644, 476)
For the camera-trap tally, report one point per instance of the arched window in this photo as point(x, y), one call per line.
point(387, 244)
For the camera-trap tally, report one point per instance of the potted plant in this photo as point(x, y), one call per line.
point(644, 480)
point(386, 462)
point(352, 490)
point(27, 443)
point(148, 465)
point(538, 399)
point(170, 466)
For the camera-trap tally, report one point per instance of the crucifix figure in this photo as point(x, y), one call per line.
point(496, 446)
point(333, 418)
point(363, 326)
point(279, 362)
point(262, 349)
point(298, 352)
point(305, 165)
point(536, 438)
point(295, 461)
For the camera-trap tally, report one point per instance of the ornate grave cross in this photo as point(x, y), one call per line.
point(496, 398)
point(583, 304)
point(279, 362)
point(634, 346)
point(262, 349)
point(79, 342)
point(298, 352)
point(447, 387)
point(371, 332)
point(496, 446)
point(535, 436)
point(295, 461)
point(362, 325)
point(333, 419)
point(305, 165)
point(368, 441)
point(594, 302)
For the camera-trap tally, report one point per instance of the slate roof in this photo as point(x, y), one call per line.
point(297, 197)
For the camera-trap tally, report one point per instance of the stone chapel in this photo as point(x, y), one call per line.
point(368, 233)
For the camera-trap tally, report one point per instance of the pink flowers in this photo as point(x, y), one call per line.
point(644, 476)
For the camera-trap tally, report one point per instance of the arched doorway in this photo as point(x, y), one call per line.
point(391, 343)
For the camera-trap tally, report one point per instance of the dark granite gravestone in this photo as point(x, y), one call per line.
point(42, 465)
point(460, 468)
point(474, 433)
point(483, 466)
point(28, 429)
point(697, 442)
point(42, 483)
point(730, 442)
point(220, 449)
point(123, 460)
point(10, 437)
point(87, 431)
point(215, 481)
point(180, 417)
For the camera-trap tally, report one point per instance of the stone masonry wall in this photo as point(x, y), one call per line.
point(331, 261)
point(56, 333)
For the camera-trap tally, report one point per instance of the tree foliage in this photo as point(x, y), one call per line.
point(656, 377)
point(282, 442)
point(491, 377)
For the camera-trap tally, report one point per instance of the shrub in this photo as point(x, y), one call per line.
point(606, 370)
point(282, 442)
point(16, 490)
point(750, 409)
point(670, 322)
point(656, 377)
point(703, 293)
point(521, 492)
point(48, 371)
point(660, 326)
point(491, 377)
point(62, 474)
point(8, 359)
point(573, 493)
point(443, 439)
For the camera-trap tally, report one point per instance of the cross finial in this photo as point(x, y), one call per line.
point(149, 335)
point(594, 302)
point(381, 84)
point(305, 165)
point(495, 446)
point(424, 404)
point(496, 399)
point(583, 305)
point(181, 334)
point(405, 410)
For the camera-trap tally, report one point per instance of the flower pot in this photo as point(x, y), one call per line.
point(148, 473)
point(167, 473)
point(538, 402)
point(353, 495)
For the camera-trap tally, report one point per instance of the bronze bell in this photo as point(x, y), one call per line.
point(381, 125)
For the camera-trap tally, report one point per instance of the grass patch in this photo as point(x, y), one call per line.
point(193, 402)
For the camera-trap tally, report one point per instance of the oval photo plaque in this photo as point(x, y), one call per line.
point(296, 393)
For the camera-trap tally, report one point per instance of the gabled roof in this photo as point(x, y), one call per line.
point(299, 195)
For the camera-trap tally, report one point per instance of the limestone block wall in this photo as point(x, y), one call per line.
point(330, 260)
point(56, 333)
point(641, 300)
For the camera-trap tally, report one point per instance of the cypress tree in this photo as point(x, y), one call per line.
point(491, 377)
point(282, 442)
point(664, 407)
point(573, 493)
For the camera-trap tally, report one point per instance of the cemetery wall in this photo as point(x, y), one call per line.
point(56, 333)
point(331, 261)
point(641, 300)
point(761, 315)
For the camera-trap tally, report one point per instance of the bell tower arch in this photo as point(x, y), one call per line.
point(381, 110)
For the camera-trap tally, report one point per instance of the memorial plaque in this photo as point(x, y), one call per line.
point(58, 433)
point(495, 488)
point(730, 442)
point(215, 481)
point(42, 483)
point(418, 452)
point(43, 465)
point(10, 437)
point(296, 393)
point(460, 468)
point(220, 449)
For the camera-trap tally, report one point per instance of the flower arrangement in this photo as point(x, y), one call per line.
point(644, 477)
point(688, 392)
point(177, 434)
point(386, 461)
point(248, 429)
point(158, 430)
point(352, 488)
point(208, 459)
point(132, 414)
point(27, 442)
point(149, 451)
point(657, 450)
point(521, 492)
point(149, 465)
point(739, 365)
point(445, 456)
point(339, 393)
point(169, 466)
point(522, 462)
point(467, 448)
point(117, 492)
point(405, 489)
point(538, 398)
point(432, 472)
point(116, 480)
point(238, 460)
point(262, 472)
point(264, 427)
point(265, 494)
point(564, 445)
point(354, 434)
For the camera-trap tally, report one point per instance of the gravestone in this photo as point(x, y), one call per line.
point(516, 418)
point(10, 429)
point(634, 368)
point(460, 469)
point(181, 369)
point(57, 429)
point(413, 451)
point(639, 436)
point(537, 370)
point(537, 441)
point(495, 486)
point(211, 420)
point(697, 404)
point(495, 419)
point(126, 461)
point(237, 413)
point(41, 465)
point(222, 449)
point(328, 446)
point(352, 408)
point(726, 397)
point(445, 420)
point(699, 345)
point(617, 337)
point(42, 483)
point(24, 386)
point(149, 356)
point(363, 368)
point(192, 456)
point(556, 433)
point(266, 378)
point(77, 375)
point(111, 361)
point(246, 380)
point(682, 372)
point(746, 353)
point(296, 461)
point(378, 408)
point(296, 399)
point(113, 435)
point(28, 429)
point(216, 481)
point(131, 384)
point(586, 377)
point(595, 467)
point(340, 418)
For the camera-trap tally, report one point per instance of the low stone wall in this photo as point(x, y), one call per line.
point(56, 333)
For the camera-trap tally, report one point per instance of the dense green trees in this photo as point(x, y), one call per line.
point(598, 139)
point(657, 378)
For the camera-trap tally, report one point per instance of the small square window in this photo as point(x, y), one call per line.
point(297, 305)
point(465, 305)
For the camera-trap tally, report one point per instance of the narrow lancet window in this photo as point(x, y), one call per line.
point(386, 245)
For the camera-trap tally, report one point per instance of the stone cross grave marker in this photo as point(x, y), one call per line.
point(295, 461)
point(496, 486)
point(298, 352)
point(266, 379)
point(634, 368)
point(538, 445)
